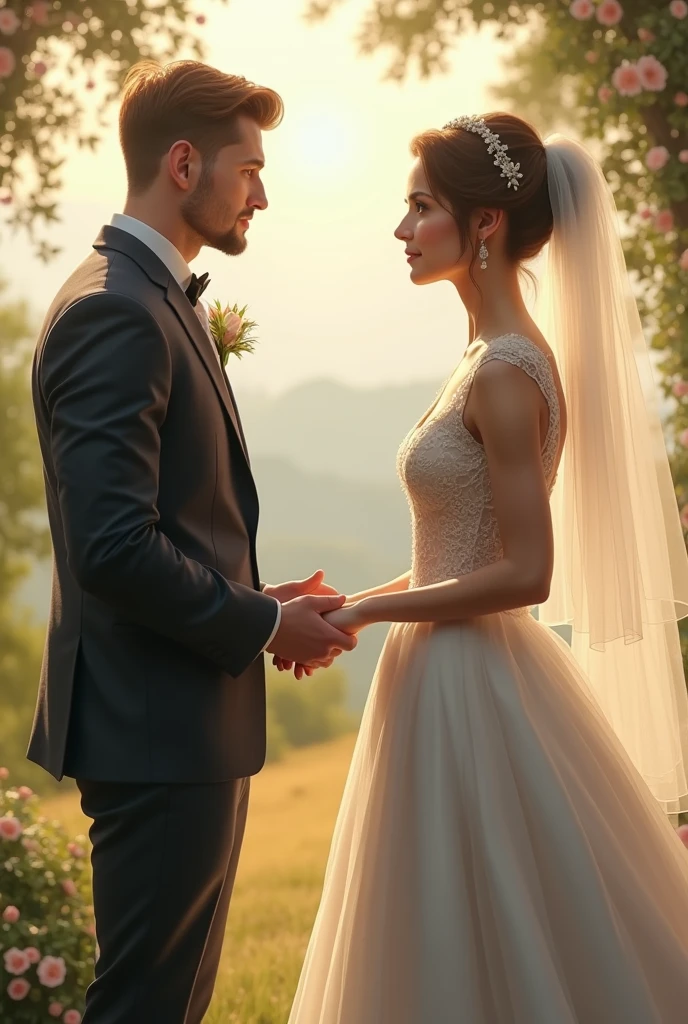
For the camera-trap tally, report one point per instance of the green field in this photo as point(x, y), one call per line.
point(293, 809)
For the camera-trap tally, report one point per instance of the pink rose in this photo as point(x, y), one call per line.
point(683, 260)
point(40, 68)
point(10, 828)
point(684, 517)
point(626, 79)
point(18, 989)
point(90, 84)
point(201, 19)
point(33, 954)
point(55, 1009)
point(72, 1017)
point(656, 158)
point(7, 62)
point(645, 36)
point(604, 94)
point(4, 773)
point(681, 99)
point(11, 915)
point(24, 792)
point(653, 74)
point(664, 222)
point(646, 213)
point(76, 850)
point(592, 57)
point(32, 845)
point(582, 9)
point(683, 438)
point(52, 971)
point(69, 887)
point(610, 12)
point(682, 833)
point(9, 22)
point(680, 388)
point(233, 326)
point(39, 11)
point(679, 9)
point(16, 961)
point(683, 156)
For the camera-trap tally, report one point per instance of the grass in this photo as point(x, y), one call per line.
point(293, 809)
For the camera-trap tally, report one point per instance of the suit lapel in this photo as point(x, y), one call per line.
point(121, 241)
point(203, 345)
point(238, 417)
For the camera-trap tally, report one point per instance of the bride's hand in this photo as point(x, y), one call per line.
point(349, 619)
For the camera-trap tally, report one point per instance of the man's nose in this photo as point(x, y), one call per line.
point(259, 199)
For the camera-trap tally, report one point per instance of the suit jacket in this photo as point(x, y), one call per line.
point(153, 669)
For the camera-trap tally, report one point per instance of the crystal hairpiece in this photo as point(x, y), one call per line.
point(510, 170)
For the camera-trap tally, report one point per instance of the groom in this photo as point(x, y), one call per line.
point(152, 692)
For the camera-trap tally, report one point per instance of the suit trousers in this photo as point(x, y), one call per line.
point(164, 863)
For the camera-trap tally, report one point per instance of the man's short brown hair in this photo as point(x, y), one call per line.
point(185, 100)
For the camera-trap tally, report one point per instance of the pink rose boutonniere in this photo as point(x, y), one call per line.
point(231, 331)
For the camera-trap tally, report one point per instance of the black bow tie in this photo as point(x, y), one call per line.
point(196, 287)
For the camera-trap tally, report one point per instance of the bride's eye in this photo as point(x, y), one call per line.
point(420, 206)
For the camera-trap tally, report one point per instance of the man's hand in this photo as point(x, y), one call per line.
point(283, 592)
point(315, 584)
point(349, 620)
point(304, 638)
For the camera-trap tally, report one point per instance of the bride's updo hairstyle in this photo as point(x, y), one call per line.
point(462, 175)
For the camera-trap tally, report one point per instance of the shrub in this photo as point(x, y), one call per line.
point(47, 938)
point(310, 710)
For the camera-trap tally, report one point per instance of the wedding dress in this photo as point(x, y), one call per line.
point(497, 858)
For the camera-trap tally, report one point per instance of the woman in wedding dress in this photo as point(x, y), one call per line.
point(504, 852)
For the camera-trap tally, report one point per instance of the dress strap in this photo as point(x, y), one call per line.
point(529, 357)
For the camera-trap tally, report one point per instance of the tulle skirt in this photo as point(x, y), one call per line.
point(497, 859)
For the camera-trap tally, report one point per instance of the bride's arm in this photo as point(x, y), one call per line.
point(396, 586)
point(508, 407)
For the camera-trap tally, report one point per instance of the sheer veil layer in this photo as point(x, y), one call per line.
point(621, 570)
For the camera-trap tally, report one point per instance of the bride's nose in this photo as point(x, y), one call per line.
point(403, 232)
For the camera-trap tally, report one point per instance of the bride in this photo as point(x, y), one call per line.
point(504, 852)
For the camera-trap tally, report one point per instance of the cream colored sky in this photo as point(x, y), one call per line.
point(323, 275)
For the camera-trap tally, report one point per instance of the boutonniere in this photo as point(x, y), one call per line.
point(231, 331)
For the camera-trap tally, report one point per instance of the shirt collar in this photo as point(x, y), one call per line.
point(161, 246)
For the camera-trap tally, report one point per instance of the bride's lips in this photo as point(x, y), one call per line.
point(411, 255)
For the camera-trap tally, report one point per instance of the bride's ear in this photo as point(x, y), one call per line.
point(489, 220)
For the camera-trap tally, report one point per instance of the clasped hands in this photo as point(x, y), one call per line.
point(317, 625)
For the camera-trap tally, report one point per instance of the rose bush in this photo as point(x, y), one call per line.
point(47, 939)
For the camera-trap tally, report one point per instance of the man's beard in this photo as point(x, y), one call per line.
point(201, 210)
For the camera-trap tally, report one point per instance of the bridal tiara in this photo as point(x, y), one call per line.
point(510, 170)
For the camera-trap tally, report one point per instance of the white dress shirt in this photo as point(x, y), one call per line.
point(170, 255)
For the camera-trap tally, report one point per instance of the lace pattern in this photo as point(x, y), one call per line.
point(445, 476)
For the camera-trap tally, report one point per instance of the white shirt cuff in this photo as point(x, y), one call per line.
point(278, 621)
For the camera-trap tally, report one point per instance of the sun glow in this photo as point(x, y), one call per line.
point(322, 141)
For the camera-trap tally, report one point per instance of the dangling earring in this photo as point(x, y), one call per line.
point(483, 254)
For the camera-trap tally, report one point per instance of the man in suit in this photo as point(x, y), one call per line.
point(152, 693)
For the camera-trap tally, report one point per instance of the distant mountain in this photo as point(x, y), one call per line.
point(324, 508)
point(325, 427)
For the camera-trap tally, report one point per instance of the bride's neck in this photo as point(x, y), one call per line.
point(497, 307)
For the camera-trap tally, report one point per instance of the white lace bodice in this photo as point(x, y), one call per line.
point(445, 475)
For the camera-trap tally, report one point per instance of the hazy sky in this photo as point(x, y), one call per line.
point(323, 275)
